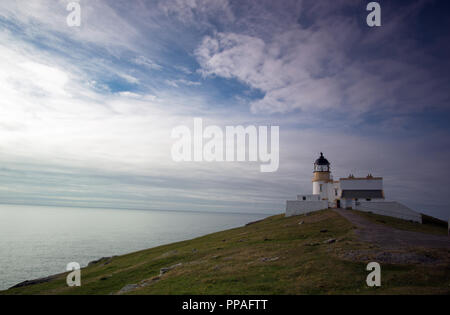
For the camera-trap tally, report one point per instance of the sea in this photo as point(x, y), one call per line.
point(39, 241)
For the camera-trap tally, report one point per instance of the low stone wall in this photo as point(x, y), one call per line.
point(389, 208)
point(297, 207)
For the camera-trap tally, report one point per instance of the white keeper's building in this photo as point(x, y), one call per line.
point(359, 193)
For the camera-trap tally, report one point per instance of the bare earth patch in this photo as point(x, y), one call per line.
point(395, 246)
point(389, 238)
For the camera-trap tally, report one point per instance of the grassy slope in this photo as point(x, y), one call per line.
point(230, 262)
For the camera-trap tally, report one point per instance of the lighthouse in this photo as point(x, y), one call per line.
point(360, 193)
point(322, 179)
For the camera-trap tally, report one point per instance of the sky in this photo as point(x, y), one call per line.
point(86, 113)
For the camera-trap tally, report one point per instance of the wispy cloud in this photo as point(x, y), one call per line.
point(86, 113)
point(319, 68)
point(178, 82)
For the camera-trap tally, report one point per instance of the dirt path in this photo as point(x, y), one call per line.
point(389, 238)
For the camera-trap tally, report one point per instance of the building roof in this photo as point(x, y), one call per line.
point(361, 178)
point(362, 194)
point(322, 160)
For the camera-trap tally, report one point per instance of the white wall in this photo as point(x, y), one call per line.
point(325, 189)
point(347, 203)
point(316, 189)
point(338, 187)
point(389, 208)
point(296, 207)
point(308, 197)
point(331, 196)
point(361, 184)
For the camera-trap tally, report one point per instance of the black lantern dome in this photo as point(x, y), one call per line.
point(321, 164)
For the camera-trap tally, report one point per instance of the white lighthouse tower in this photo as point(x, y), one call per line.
point(322, 179)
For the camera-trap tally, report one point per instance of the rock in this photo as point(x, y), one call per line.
point(194, 250)
point(312, 244)
point(128, 288)
point(301, 222)
point(266, 239)
point(170, 253)
point(166, 269)
point(330, 241)
point(36, 281)
point(324, 231)
point(163, 270)
point(148, 282)
point(265, 259)
point(105, 260)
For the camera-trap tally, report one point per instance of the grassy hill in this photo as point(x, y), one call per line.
point(278, 255)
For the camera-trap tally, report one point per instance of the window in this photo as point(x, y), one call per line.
point(368, 199)
point(304, 198)
point(335, 192)
point(320, 187)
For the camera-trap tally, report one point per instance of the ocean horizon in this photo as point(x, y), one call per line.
point(39, 241)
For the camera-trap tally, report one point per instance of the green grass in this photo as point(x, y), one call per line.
point(230, 262)
point(403, 224)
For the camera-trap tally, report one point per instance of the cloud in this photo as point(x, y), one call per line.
point(129, 78)
point(178, 82)
point(101, 24)
point(143, 61)
point(288, 81)
point(313, 68)
point(86, 114)
point(202, 13)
